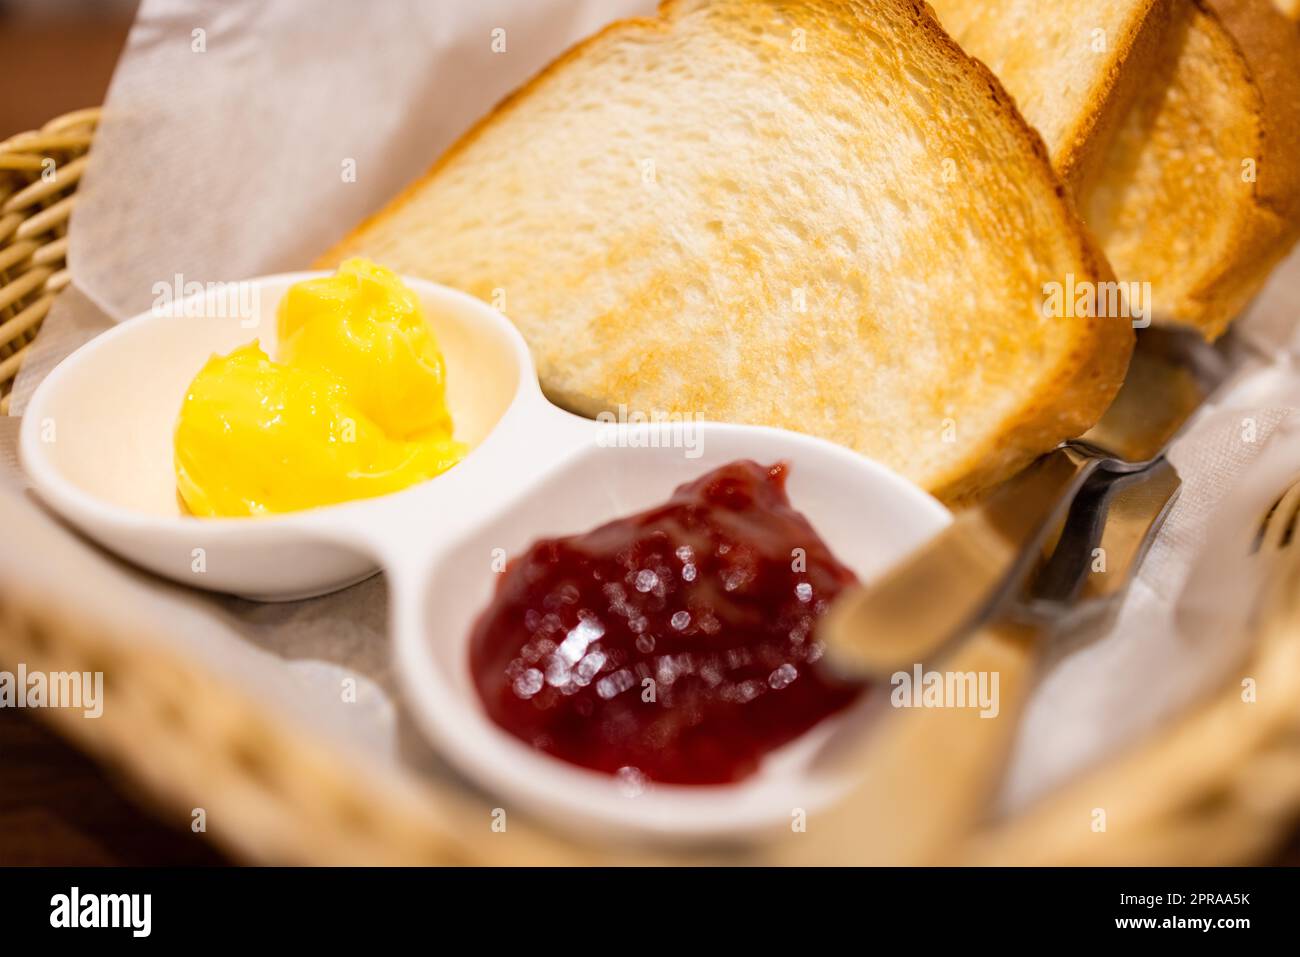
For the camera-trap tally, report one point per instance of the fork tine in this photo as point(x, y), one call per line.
point(1258, 541)
point(1279, 524)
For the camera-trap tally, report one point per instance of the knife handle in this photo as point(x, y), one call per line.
point(956, 579)
point(926, 776)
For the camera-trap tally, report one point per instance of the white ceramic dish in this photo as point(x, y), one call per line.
point(96, 442)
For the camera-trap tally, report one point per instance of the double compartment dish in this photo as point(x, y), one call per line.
point(96, 442)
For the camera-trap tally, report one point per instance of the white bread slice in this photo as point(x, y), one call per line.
point(1161, 183)
point(1200, 190)
point(1073, 68)
point(819, 215)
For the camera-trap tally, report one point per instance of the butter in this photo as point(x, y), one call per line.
point(354, 405)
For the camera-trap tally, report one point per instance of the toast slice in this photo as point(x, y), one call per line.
point(1270, 42)
point(1199, 191)
point(1073, 68)
point(819, 215)
point(1189, 189)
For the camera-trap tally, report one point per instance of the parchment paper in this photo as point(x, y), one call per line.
point(221, 156)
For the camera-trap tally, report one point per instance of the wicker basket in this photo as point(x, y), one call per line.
point(39, 172)
point(1229, 776)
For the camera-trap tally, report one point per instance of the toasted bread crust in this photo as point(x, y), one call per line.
point(1259, 64)
point(997, 31)
point(1089, 377)
point(1149, 171)
point(1067, 400)
point(1268, 224)
point(1091, 133)
point(1270, 44)
point(347, 245)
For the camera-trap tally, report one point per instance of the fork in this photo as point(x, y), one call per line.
point(1272, 543)
point(957, 580)
point(1277, 527)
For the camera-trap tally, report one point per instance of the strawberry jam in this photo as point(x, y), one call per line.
point(674, 645)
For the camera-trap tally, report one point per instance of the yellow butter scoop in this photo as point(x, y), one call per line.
point(353, 406)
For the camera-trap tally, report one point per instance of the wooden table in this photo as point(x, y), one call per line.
point(58, 808)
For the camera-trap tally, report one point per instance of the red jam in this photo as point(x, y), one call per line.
point(674, 645)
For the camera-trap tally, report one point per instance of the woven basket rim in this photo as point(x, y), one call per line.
point(39, 173)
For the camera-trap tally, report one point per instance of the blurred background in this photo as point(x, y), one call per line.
point(57, 55)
